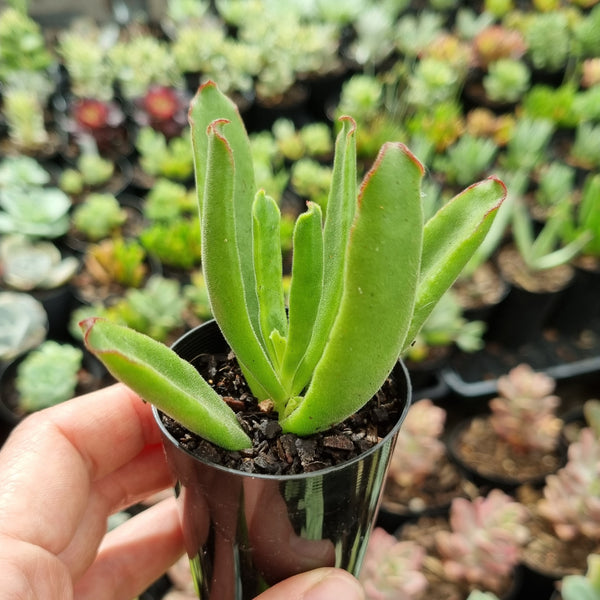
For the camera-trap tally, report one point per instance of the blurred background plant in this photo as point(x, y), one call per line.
point(48, 375)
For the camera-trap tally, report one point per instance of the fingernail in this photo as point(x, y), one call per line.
point(335, 584)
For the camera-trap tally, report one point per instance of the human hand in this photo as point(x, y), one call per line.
point(63, 471)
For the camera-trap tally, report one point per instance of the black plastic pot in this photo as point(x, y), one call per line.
point(520, 317)
point(578, 308)
point(244, 532)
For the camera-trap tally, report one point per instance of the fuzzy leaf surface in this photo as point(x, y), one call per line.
point(222, 268)
point(449, 239)
point(305, 288)
point(165, 380)
point(208, 105)
point(268, 270)
point(341, 207)
point(381, 277)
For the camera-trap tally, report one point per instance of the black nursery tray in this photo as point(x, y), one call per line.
point(559, 356)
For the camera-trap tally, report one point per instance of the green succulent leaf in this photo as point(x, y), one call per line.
point(341, 206)
point(209, 105)
point(365, 277)
point(380, 279)
point(449, 239)
point(269, 271)
point(162, 378)
point(221, 260)
point(305, 289)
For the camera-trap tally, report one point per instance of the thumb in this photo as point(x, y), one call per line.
point(319, 584)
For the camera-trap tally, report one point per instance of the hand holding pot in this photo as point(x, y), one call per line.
point(64, 470)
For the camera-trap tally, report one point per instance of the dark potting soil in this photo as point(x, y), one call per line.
point(277, 453)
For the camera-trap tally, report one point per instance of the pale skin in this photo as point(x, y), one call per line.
point(64, 470)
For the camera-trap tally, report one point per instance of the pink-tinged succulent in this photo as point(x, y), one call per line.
point(484, 543)
point(392, 569)
point(103, 121)
point(163, 108)
point(590, 72)
point(571, 499)
point(418, 446)
point(92, 115)
point(496, 42)
point(524, 413)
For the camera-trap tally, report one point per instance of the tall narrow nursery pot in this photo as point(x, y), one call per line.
point(245, 531)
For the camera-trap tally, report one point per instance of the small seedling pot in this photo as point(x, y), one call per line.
point(245, 532)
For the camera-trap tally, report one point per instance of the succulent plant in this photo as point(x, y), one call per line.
point(95, 169)
point(156, 309)
point(483, 545)
point(142, 61)
point(507, 80)
point(116, 260)
point(84, 52)
point(25, 119)
point(468, 158)
point(197, 44)
point(554, 104)
point(296, 362)
point(22, 44)
point(92, 170)
point(470, 23)
point(168, 200)
point(23, 324)
point(375, 35)
point(583, 587)
point(495, 42)
point(571, 499)
point(313, 140)
point(544, 248)
point(415, 32)
point(362, 97)
point(175, 243)
point(164, 109)
point(34, 210)
point(22, 171)
point(48, 375)
point(585, 151)
point(100, 121)
point(524, 413)
point(28, 265)
point(311, 180)
point(98, 215)
point(586, 35)
point(590, 72)
point(556, 184)
point(442, 125)
point(419, 446)
point(432, 81)
point(393, 569)
point(548, 40)
point(160, 157)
